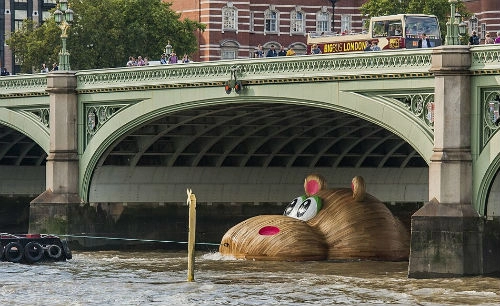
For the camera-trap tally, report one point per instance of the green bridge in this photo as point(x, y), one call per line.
point(419, 125)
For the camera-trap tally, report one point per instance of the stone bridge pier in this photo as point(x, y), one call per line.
point(446, 233)
point(54, 211)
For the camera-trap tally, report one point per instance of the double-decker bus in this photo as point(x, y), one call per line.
point(390, 32)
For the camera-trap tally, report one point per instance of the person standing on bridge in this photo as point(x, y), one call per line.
point(497, 40)
point(424, 42)
point(488, 40)
point(474, 39)
point(173, 59)
point(259, 52)
point(282, 51)
point(44, 69)
point(315, 49)
point(368, 45)
point(272, 52)
point(5, 72)
point(163, 59)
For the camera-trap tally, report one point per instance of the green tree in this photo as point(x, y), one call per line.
point(105, 33)
point(439, 8)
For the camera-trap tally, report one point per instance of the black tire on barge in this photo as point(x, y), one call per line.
point(13, 252)
point(33, 252)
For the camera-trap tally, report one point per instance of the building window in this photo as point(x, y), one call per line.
point(229, 18)
point(322, 22)
point(227, 54)
point(483, 30)
point(271, 20)
point(345, 23)
point(50, 1)
point(252, 22)
point(229, 49)
point(297, 22)
point(21, 1)
point(19, 17)
point(46, 15)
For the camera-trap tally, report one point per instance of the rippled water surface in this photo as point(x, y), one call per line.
point(159, 278)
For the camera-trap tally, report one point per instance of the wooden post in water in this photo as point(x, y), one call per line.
point(191, 201)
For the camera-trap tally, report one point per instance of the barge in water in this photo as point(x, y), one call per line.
point(32, 248)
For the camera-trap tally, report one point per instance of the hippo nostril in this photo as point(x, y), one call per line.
point(269, 230)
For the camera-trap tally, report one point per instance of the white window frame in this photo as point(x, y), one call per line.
point(323, 22)
point(297, 22)
point(19, 17)
point(229, 18)
point(252, 22)
point(483, 30)
point(229, 49)
point(271, 21)
point(346, 23)
point(46, 15)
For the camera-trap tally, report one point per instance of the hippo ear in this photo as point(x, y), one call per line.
point(314, 183)
point(358, 188)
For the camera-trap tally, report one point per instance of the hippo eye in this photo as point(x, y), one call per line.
point(308, 209)
point(293, 206)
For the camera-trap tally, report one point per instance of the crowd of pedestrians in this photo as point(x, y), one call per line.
point(259, 52)
point(164, 60)
point(45, 69)
point(372, 46)
point(488, 39)
point(139, 61)
point(272, 52)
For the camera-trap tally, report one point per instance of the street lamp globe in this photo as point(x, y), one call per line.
point(462, 28)
point(68, 15)
point(168, 49)
point(58, 15)
point(63, 5)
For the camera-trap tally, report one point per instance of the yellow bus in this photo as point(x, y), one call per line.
point(389, 32)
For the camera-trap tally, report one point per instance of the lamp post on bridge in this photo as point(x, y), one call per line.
point(455, 27)
point(64, 17)
point(168, 51)
point(333, 14)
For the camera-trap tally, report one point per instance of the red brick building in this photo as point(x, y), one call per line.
point(235, 28)
point(486, 16)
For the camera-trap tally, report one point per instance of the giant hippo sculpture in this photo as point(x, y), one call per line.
point(339, 223)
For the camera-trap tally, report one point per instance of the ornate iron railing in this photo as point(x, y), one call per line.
point(281, 69)
point(23, 85)
point(485, 59)
point(286, 69)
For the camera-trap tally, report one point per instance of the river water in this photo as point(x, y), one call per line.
point(159, 278)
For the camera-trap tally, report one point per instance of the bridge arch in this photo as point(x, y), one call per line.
point(25, 124)
point(360, 106)
point(486, 172)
